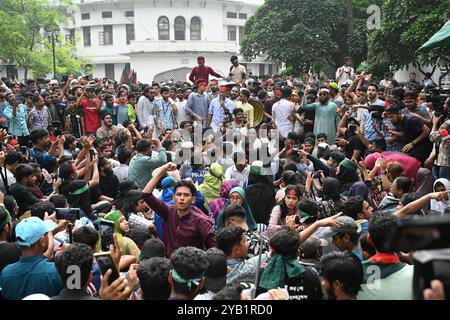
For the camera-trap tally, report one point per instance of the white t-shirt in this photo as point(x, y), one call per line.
point(237, 72)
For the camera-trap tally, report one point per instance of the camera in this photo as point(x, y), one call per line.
point(244, 117)
point(352, 129)
point(429, 237)
point(71, 214)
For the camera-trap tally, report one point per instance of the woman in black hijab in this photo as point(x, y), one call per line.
point(79, 196)
point(260, 194)
point(332, 202)
point(347, 174)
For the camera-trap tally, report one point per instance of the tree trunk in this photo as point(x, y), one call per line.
point(25, 73)
point(349, 17)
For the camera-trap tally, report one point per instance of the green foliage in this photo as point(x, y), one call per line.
point(21, 39)
point(405, 26)
point(305, 34)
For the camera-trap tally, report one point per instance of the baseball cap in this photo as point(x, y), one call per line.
point(348, 226)
point(30, 230)
point(310, 245)
point(333, 85)
point(53, 81)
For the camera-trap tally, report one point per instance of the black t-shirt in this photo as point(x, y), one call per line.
point(412, 128)
point(9, 253)
point(309, 115)
point(354, 143)
point(108, 186)
point(306, 286)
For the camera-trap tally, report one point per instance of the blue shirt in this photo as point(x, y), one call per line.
point(29, 276)
point(18, 124)
point(358, 253)
point(369, 131)
point(44, 160)
point(165, 114)
point(217, 111)
point(122, 114)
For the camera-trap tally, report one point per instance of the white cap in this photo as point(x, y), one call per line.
point(53, 81)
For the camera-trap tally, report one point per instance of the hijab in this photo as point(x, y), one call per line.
point(79, 196)
point(331, 187)
point(167, 185)
point(441, 206)
point(248, 212)
point(210, 188)
point(347, 175)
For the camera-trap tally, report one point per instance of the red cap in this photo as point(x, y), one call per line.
point(223, 88)
point(444, 132)
point(202, 84)
point(214, 80)
point(277, 92)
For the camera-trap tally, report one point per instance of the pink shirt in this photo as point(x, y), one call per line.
point(410, 165)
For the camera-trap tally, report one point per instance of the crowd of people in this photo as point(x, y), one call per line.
point(232, 188)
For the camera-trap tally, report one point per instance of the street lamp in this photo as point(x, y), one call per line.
point(56, 31)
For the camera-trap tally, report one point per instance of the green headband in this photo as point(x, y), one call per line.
point(177, 278)
point(348, 164)
point(6, 221)
point(81, 190)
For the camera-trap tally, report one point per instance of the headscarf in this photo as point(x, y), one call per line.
point(441, 206)
point(359, 189)
point(260, 194)
point(331, 187)
point(115, 216)
point(217, 205)
point(168, 184)
point(248, 212)
point(347, 175)
point(210, 188)
point(277, 267)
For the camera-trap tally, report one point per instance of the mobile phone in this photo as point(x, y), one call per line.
point(71, 214)
point(23, 149)
point(106, 234)
point(92, 154)
point(105, 261)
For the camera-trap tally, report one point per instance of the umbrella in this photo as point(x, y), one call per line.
point(439, 39)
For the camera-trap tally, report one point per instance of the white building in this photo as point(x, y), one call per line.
point(161, 39)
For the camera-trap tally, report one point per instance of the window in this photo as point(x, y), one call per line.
point(232, 15)
point(261, 69)
point(243, 16)
point(196, 29)
point(109, 70)
point(106, 37)
point(163, 28)
point(129, 13)
point(71, 36)
point(231, 33)
point(106, 14)
point(85, 16)
point(270, 70)
point(130, 32)
point(87, 36)
point(180, 28)
point(241, 34)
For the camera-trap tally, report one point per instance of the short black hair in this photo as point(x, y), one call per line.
point(353, 206)
point(308, 206)
point(69, 140)
point(3, 218)
point(262, 94)
point(232, 291)
point(153, 277)
point(139, 235)
point(229, 237)
point(153, 248)
point(404, 183)
point(289, 177)
point(40, 208)
point(322, 135)
point(285, 242)
point(189, 263)
point(344, 267)
point(354, 237)
point(235, 211)
point(366, 245)
point(124, 154)
point(37, 134)
point(187, 184)
point(372, 85)
point(58, 200)
point(380, 228)
point(87, 235)
point(13, 157)
point(237, 110)
point(65, 170)
point(408, 198)
point(143, 145)
point(77, 254)
point(164, 89)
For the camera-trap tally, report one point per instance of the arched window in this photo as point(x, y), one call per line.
point(180, 28)
point(196, 28)
point(163, 28)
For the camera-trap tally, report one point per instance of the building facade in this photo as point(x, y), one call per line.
point(161, 39)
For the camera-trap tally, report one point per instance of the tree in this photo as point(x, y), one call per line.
point(23, 22)
point(306, 33)
point(405, 26)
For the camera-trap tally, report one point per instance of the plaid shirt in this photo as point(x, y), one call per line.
point(443, 159)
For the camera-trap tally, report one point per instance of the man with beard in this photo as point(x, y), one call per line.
point(238, 73)
point(213, 89)
point(345, 73)
point(371, 120)
point(218, 109)
point(146, 109)
point(109, 183)
point(42, 150)
point(108, 129)
point(326, 119)
point(341, 274)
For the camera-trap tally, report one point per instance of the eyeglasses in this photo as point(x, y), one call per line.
point(322, 94)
